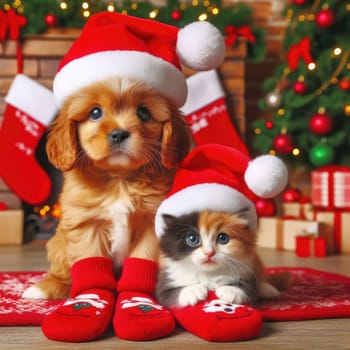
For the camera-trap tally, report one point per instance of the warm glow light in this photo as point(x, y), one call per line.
point(311, 66)
point(195, 3)
point(85, 5)
point(134, 6)
point(110, 8)
point(203, 17)
point(63, 5)
point(280, 112)
point(337, 51)
point(272, 152)
point(257, 131)
point(153, 14)
point(296, 152)
point(215, 11)
point(86, 13)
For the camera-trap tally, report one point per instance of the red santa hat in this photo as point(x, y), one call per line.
point(220, 178)
point(113, 44)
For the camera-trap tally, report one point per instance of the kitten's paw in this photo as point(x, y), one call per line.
point(232, 294)
point(267, 290)
point(34, 292)
point(191, 295)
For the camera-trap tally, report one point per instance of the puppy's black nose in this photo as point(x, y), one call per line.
point(117, 136)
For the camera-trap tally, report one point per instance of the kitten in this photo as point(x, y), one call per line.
point(209, 250)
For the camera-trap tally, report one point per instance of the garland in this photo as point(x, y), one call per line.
point(234, 20)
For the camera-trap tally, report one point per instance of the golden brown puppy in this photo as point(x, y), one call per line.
point(117, 143)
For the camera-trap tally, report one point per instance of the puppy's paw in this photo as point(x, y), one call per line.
point(232, 294)
point(267, 290)
point(191, 295)
point(34, 292)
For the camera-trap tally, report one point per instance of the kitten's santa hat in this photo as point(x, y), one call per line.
point(113, 44)
point(220, 178)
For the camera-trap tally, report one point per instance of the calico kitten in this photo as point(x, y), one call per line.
point(210, 250)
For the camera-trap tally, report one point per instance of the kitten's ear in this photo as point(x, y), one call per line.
point(168, 219)
point(243, 214)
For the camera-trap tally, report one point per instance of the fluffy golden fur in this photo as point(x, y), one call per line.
point(117, 143)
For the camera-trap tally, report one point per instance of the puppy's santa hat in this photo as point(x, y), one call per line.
point(220, 178)
point(113, 44)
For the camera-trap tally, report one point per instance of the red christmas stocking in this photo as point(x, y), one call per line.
point(88, 315)
point(138, 315)
point(30, 108)
point(206, 112)
point(219, 321)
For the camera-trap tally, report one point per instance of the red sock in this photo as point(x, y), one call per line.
point(29, 109)
point(88, 315)
point(219, 321)
point(138, 315)
point(206, 112)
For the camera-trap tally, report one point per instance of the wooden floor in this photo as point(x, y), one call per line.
point(318, 334)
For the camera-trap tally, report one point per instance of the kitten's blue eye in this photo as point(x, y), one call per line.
point(193, 239)
point(223, 238)
point(95, 114)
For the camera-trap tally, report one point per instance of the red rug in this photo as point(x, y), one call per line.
point(314, 294)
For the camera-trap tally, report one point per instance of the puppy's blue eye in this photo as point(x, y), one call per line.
point(96, 113)
point(192, 239)
point(143, 113)
point(222, 238)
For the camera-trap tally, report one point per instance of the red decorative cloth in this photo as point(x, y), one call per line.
point(314, 295)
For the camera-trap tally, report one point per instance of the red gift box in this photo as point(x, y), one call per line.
point(309, 245)
point(330, 187)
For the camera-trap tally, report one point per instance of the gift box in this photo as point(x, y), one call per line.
point(302, 209)
point(280, 232)
point(336, 229)
point(11, 227)
point(330, 187)
point(309, 245)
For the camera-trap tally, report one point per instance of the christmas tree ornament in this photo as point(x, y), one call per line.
point(325, 18)
point(176, 15)
point(265, 207)
point(283, 143)
point(320, 124)
point(291, 195)
point(206, 112)
point(273, 99)
point(321, 154)
point(299, 2)
point(269, 124)
point(3, 206)
point(344, 84)
point(301, 50)
point(299, 87)
point(50, 20)
point(30, 108)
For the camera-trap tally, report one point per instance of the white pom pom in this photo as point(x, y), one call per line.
point(200, 46)
point(266, 176)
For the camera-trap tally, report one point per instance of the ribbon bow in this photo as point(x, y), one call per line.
point(232, 33)
point(298, 51)
point(11, 23)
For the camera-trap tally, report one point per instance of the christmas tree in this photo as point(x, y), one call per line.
point(309, 95)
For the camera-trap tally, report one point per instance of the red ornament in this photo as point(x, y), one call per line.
point(50, 20)
point(265, 207)
point(299, 2)
point(325, 18)
point(176, 15)
point(269, 124)
point(299, 87)
point(320, 124)
point(283, 143)
point(3, 206)
point(344, 84)
point(291, 195)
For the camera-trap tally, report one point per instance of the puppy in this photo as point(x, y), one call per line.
point(117, 142)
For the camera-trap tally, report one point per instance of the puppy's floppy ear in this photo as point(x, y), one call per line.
point(176, 141)
point(62, 146)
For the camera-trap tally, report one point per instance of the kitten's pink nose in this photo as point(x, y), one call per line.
point(209, 254)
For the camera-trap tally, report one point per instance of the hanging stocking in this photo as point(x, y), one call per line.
point(138, 315)
point(30, 107)
point(89, 314)
point(219, 321)
point(206, 112)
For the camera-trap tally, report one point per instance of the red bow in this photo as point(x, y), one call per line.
point(297, 51)
point(232, 33)
point(11, 22)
